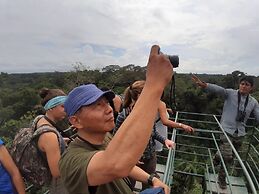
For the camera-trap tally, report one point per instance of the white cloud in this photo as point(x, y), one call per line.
point(210, 36)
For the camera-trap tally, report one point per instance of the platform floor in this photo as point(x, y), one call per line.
point(238, 185)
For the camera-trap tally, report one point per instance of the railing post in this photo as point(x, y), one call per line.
point(169, 168)
point(249, 146)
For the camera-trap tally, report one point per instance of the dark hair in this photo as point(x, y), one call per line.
point(104, 88)
point(248, 79)
point(110, 101)
point(47, 94)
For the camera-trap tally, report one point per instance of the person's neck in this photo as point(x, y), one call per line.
point(52, 118)
point(243, 94)
point(93, 138)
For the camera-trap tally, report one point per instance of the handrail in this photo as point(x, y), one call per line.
point(223, 163)
point(207, 169)
point(170, 160)
point(213, 169)
point(252, 160)
point(202, 133)
point(251, 184)
point(253, 175)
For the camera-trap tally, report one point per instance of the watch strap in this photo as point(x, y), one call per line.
point(150, 179)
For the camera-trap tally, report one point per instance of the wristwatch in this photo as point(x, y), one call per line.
point(150, 179)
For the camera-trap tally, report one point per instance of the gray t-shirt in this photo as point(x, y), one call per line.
point(229, 113)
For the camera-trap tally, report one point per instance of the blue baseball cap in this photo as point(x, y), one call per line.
point(83, 96)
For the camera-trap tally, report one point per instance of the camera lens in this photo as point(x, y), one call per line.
point(174, 59)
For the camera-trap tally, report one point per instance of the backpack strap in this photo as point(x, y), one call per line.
point(57, 127)
point(44, 129)
point(48, 128)
point(35, 122)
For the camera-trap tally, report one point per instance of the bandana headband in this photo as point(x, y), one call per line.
point(55, 102)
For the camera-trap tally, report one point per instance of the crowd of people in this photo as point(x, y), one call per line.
point(116, 144)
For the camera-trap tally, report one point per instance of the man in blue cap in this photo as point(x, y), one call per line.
point(95, 163)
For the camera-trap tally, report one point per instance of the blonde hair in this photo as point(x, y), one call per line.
point(132, 92)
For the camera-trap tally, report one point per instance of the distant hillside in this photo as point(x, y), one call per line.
point(19, 92)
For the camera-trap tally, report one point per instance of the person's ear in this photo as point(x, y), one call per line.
point(75, 121)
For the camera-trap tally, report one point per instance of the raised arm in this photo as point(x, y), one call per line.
point(166, 121)
point(213, 88)
point(197, 81)
point(128, 144)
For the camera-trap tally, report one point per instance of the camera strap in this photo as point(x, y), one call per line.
point(172, 97)
point(239, 99)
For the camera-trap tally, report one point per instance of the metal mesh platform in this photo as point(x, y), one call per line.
point(238, 185)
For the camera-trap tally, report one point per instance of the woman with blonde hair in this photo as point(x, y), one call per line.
point(148, 160)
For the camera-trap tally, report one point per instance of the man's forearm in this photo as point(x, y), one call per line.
point(134, 133)
point(213, 88)
point(138, 174)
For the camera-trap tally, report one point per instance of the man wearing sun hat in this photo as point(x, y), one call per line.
point(95, 163)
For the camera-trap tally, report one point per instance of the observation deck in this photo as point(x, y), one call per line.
point(189, 168)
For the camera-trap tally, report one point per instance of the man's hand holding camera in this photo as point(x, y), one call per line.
point(159, 69)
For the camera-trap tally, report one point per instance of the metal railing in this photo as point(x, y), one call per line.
point(207, 130)
point(202, 146)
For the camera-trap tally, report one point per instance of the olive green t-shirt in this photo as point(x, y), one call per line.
point(73, 165)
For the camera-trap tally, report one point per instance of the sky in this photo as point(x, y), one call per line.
point(210, 36)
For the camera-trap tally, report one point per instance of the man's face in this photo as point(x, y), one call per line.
point(245, 87)
point(97, 117)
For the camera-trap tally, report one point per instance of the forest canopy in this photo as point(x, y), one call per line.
point(19, 99)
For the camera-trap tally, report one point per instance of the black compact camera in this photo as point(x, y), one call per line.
point(240, 116)
point(174, 59)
